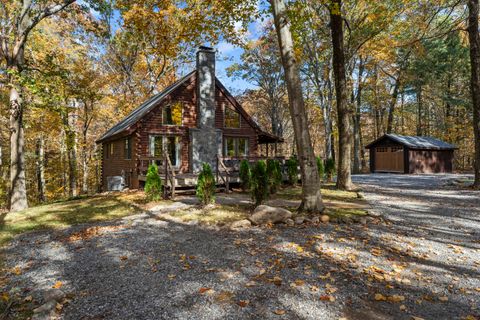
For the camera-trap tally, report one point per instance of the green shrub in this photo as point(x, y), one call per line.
point(330, 169)
point(292, 170)
point(274, 174)
point(245, 174)
point(321, 168)
point(153, 184)
point(206, 185)
point(259, 182)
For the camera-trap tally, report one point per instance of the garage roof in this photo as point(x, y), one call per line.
point(416, 142)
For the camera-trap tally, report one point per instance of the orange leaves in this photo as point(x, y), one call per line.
point(204, 290)
point(243, 303)
point(327, 297)
point(57, 285)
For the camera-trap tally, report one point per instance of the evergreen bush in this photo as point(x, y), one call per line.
point(206, 185)
point(321, 168)
point(292, 170)
point(274, 174)
point(259, 183)
point(153, 184)
point(245, 174)
point(330, 169)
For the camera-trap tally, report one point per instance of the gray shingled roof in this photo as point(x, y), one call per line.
point(143, 109)
point(418, 142)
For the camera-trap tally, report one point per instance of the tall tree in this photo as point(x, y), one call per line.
point(311, 194)
point(19, 19)
point(261, 66)
point(344, 111)
point(474, 38)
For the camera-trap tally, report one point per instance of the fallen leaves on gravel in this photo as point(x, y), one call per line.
point(243, 303)
point(327, 297)
point(92, 232)
point(57, 285)
point(279, 312)
point(204, 290)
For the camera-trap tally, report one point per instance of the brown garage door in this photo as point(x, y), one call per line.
point(389, 159)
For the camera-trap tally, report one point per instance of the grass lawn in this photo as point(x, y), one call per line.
point(66, 213)
point(338, 203)
point(118, 205)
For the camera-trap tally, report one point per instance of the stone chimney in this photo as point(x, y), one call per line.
point(205, 87)
point(205, 140)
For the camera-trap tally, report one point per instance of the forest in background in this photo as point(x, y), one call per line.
point(91, 63)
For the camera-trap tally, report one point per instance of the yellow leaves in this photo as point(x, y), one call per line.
point(5, 296)
point(17, 271)
point(171, 276)
point(396, 298)
point(330, 289)
point(279, 312)
point(393, 298)
point(57, 285)
point(297, 283)
point(380, 297)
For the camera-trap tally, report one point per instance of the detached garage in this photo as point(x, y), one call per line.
point(410, 154)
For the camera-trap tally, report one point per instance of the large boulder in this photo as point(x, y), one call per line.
point(265, 214)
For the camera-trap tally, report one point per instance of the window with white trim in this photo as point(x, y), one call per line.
point(170, 145)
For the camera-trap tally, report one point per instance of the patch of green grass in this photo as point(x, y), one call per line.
point(220, 214)
point(66, 213)
point(329, 193)
point(345, 212)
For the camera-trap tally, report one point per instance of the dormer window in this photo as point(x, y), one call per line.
point(232, 118)
point(172, 114)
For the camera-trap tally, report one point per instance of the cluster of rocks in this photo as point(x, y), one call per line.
point(48, 309)
point(264, 214)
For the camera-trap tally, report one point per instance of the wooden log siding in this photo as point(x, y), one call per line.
point(115, 163)
point(151, 124)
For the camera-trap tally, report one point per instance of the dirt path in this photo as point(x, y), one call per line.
point(424, 263)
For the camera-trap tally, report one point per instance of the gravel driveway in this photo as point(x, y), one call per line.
point(422, 260)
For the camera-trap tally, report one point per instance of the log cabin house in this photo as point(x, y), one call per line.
point(193, 121)
point(410, 154)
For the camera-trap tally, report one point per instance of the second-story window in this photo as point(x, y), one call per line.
point(232, 118)
point(172, 114)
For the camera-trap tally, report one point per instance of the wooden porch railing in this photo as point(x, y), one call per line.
point(169, 176)
point(222, 167)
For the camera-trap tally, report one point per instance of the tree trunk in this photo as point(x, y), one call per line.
point(311, 195)
point(71, 149)
point(419, 111)
point(327, 115)
point(18, 190)
point(344, 112)
point(40, 157)
point(474, 38)
point(85, 163)
point(356, 124)
point(393, 102)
